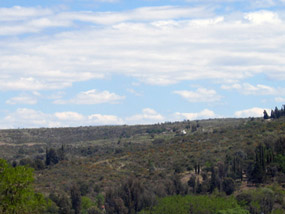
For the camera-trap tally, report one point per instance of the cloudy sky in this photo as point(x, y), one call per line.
point(101, 62)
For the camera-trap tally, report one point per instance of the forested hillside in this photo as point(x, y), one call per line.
point(228, 165)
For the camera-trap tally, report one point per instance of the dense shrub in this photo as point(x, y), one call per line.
point(202, 204)
point(257, 201)
point(17, 195)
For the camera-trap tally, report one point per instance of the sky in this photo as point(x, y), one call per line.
point(113, 62)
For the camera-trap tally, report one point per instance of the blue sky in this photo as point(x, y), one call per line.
point(111, 62)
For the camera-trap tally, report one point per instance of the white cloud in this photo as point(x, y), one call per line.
point(148, 116)
point(29, 84)
point(280, 99)
point(259, 89)
point(111, 1)
point(139, 14)
point(253, 112)
point(105, 119)
point(248, 4)
point(200, 95)
point(134, 92)
point(148, 44)
point(19, 20)
point(205, 114)
point(56, 96)
point(92, 97)
point(232, 86)
point(216, 1)
point(76, 119)
point(265, 3)
point(17, 13)
point(23, 118)
point(30, 118)
point(263, 17)
point(22, 100)
point(70, 116)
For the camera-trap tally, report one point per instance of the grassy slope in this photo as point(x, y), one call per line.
point(107, 155)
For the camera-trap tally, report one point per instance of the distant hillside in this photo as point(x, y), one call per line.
point(202, 157)
point(81, 134)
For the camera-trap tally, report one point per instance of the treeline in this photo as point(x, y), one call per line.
point(275, 114)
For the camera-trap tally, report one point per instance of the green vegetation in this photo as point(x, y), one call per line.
point(16, 192)
point(202, 204)
point(148, 168)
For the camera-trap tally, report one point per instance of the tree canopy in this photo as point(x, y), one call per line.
point(16, 192)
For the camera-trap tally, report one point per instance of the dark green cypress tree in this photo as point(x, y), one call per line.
point(228, 186)
point(47, 157)
point(214, 182)
point(258, 173)
point(75, 199)
point(265, 115)
point(51, 157)
point(61, 153)
point(64, 205)
point(279, 146)
point(198, 169)
point(272, 115)
point(192, 183)
point(277, 113)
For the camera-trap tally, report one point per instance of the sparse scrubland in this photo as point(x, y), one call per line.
point(214, 166)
